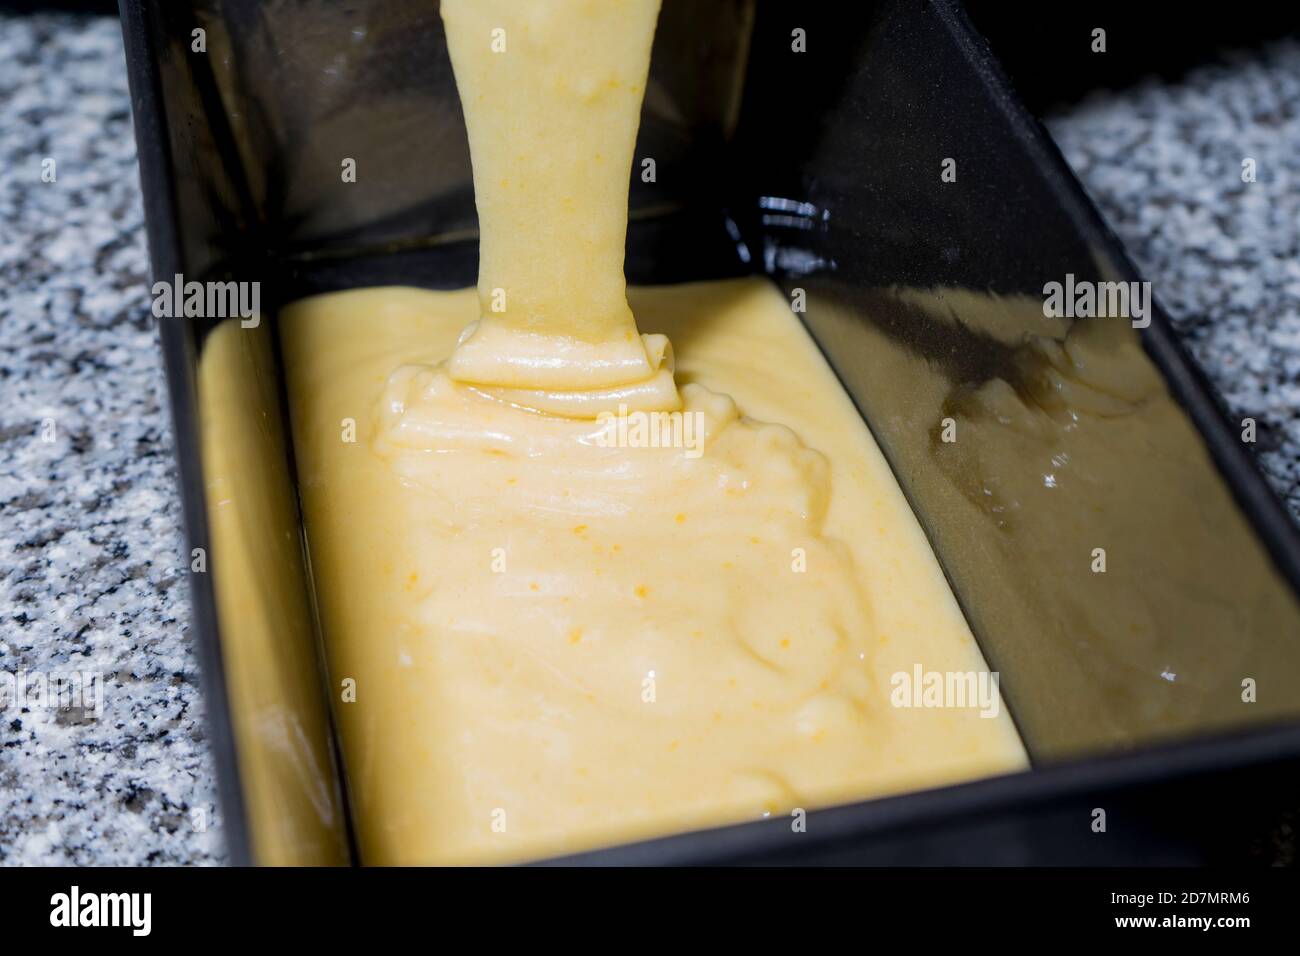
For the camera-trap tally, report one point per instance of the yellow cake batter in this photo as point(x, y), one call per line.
point(573, 590)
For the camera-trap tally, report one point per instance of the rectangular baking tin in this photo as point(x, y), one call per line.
point(804, 161)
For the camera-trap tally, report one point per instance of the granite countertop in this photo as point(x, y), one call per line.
point(92, 562)
point(93, 576)
point(1164, 164)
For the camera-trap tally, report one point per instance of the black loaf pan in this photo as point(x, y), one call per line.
point(822, 170)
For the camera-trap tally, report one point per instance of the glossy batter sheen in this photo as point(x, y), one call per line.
point(290, 781)
point(545, 636)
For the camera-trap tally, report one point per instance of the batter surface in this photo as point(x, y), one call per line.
point(574, 591)
point(557, 645)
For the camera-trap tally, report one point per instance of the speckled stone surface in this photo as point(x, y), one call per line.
point(1164, 164)
point(92, 577)
point(92, 574)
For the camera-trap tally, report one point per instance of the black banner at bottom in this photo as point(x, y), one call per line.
point(207, 906)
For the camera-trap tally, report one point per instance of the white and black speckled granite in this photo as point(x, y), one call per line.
point(92, 573)
point(1164, 164)
point(91, 558)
